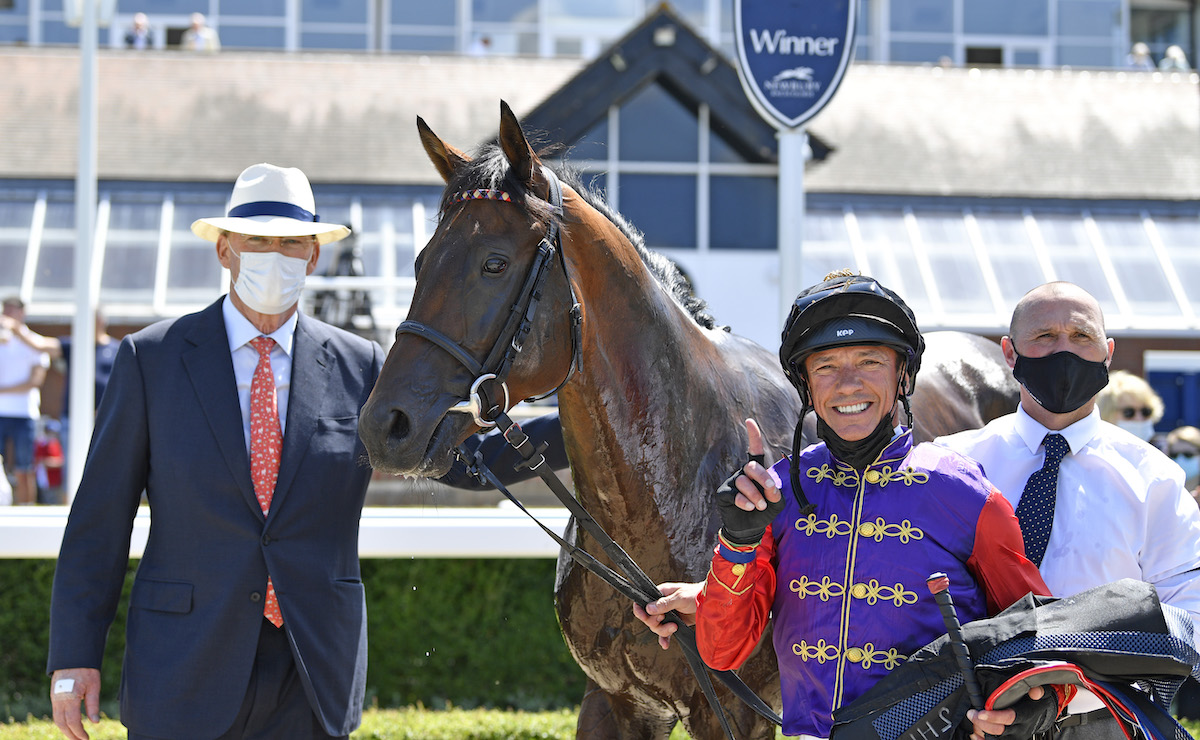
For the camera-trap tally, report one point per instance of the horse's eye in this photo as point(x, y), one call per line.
point(495, 265)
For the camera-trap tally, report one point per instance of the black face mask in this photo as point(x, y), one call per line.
point(1061, 382)
point(861, 453)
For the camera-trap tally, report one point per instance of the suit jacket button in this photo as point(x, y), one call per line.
point(266, 539)
point(255, 596)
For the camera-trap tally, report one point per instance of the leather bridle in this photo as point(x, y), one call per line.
point(488, 396)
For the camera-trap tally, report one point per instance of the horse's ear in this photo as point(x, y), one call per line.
point(444, 157)
point(516, 148)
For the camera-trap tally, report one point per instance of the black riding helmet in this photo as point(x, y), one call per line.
point(843, 311)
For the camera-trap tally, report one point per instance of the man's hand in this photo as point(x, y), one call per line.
point(68, 687)
point(745, 509)
point(677, 597)
point(1036, 716)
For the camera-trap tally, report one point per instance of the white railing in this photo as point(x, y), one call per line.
point(385, 532)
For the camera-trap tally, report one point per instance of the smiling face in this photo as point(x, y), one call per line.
point(853, 388)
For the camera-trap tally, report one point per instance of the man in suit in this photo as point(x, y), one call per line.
point(247, 616)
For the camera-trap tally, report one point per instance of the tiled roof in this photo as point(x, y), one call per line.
point(1011, 132)
point(350, 118)
point(339, 117)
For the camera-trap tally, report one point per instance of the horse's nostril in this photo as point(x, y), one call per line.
point(399, 426)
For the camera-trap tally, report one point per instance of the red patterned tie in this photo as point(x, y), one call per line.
point(266, 444)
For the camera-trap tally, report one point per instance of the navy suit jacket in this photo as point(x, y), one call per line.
point(169, 424)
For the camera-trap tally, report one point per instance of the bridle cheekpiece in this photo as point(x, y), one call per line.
point(488, 397)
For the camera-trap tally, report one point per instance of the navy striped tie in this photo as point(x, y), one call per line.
point(1035, 510)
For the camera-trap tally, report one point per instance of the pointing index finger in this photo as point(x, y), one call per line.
point(754, 434)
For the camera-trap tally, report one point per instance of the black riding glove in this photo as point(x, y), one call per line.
point(1034, 716)
point(739, 526)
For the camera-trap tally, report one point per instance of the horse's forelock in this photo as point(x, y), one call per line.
point(489, 169)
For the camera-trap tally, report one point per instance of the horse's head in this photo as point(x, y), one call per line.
point(470, 309)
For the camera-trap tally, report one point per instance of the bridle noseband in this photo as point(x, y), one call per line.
point(488, 396)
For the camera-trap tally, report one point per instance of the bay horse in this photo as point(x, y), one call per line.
point(652, 421)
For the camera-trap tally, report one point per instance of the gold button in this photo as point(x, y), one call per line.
point(738, 569)
point(873, 476)
point(858, 590)
point(866, 529)
point(854, 655)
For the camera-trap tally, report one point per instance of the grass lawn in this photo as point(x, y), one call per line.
point(403, 724)
point(383, 724)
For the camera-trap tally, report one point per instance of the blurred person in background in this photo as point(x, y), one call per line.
point(139, 36)
point(199, 37)
point(1183, 446)
point(22, 372)
point(48, 461)
point(1129, 402)
point(1174, 60)
point(1139, 58)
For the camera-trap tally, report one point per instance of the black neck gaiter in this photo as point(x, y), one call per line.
point(861, 453)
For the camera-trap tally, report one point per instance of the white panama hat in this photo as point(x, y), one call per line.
point(271, 201)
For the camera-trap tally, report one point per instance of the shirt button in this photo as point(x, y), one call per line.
point(255, 596)
point(855, 655)
point(738, 569)
point(873, 476)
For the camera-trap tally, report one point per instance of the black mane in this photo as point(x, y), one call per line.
point(489, 169)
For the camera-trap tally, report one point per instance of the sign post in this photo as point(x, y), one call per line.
point(792, 55)
point(87, 15)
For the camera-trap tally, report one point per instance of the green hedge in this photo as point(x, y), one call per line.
point(472, 633)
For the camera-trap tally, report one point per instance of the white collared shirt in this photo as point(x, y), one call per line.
point(245, 359)
point(1121, 509)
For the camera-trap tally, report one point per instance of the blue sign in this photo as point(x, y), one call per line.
point(792, 54)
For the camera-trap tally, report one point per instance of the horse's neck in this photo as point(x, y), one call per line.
point(629, 415)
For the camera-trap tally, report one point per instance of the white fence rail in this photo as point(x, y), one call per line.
point(391, 532)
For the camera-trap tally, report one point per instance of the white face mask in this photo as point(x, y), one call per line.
point(269, 282)
point(1143, 429)
point(1190, 465)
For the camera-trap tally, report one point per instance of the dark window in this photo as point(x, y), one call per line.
point(743, 213)
point(593, 144)
point(663, 207)
point(984, 55)
point(655, 127)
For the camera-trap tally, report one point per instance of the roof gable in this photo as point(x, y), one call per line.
point(663, 49)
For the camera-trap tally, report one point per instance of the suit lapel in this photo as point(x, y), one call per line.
point(209, 367)
point(311, 366)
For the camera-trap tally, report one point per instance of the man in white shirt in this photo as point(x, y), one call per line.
point(1120, 508)
point(22, 372)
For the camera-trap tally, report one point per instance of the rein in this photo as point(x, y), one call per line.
point(488, 403)
point(632, 581)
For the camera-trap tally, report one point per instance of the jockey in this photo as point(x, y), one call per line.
point(834, 544)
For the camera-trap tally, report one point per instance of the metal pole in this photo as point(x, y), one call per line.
point(793, 153)
point(83, 326)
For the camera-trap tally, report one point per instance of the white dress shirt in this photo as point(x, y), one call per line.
point(1121, 509)
point(245, 359)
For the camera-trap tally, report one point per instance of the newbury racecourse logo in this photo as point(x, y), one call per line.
point(793, 83)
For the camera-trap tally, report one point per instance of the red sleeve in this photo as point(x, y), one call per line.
point(998, 560)
point(735, 605)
